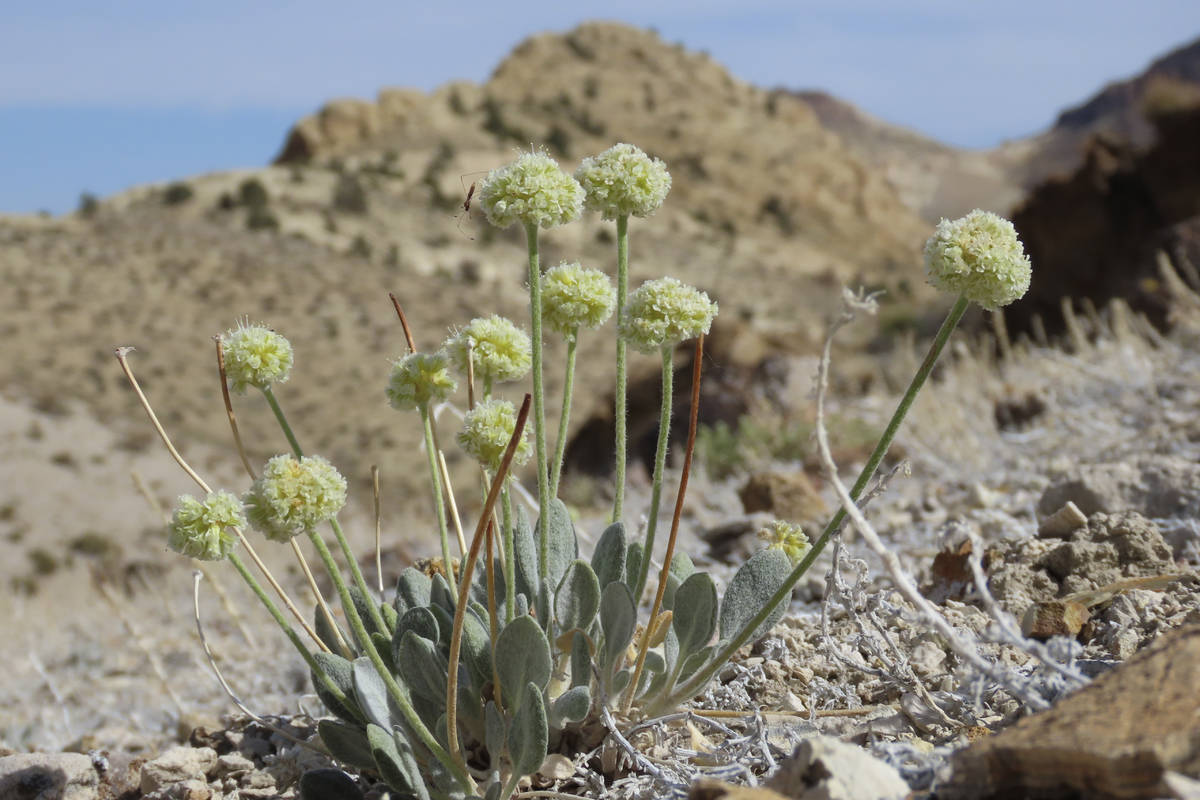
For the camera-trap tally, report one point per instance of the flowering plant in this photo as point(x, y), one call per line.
point(462, 680)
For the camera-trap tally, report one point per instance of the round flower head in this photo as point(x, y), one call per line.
point(624, 181)
point(980, 257)
point(532, 190)
point(665, 312)
point(201, 530)
point(500, 350)
point(486, 431)
point(419, 378)
point(255, 355)
point(576, 297)
point(294, 496)
point(786, 537)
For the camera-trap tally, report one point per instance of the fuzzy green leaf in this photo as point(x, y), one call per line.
point(477, 650)
point(751, 588)
point(526, 554)
point(562, 546)
point(420, 621)
point(495, 732)
point(423, 667)
point(325, 631)
point(346, 743)
point(608, 559)
point(340, 673)
point(581, 661)
point(390, 617)
point(522, 658)
point(529, 733)
point(633, 562)
point(363, 605)
point(440, 594)
point(571, 706)
point(618, 620)
point(395, 763)
point(695, 615)
point(371, 693)
point(412, 590)
point(577, 598)
point(681, 569)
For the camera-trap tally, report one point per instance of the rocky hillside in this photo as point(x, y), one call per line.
point(933, 179)
point(769, 212)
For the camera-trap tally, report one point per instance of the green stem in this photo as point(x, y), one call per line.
point(283, 423)
point(539, 397)
point(560, 447)
point(320, 674)
point(868, 471)
point(510, 559)
point(660, 465)
point(619, 411)
point(397, 694)
point(439, 504)
point(355, 572)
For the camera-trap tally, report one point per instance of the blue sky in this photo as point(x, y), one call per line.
point(101, 96)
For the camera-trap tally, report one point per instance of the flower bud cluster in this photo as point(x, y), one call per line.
point(623, 181)
point(500, 351)
point(294, 496)
point(255, 356)
point(201, 529)
point(664, 312)
point(532, 190)
point(486, 431)
point(419, 379)
point(574, 297)
point(980, 257)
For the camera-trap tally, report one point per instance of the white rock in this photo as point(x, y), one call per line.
point(49, 776)
point(177, 765)
point(823, 768)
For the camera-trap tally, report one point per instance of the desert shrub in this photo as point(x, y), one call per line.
point(259, 218)
point(88, 205)
point(349, 194)
point(177, 193)
point(252, 194)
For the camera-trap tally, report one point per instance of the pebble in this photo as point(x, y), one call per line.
point(178, 765)
point(49, 776)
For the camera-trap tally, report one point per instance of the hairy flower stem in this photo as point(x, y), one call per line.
point(539, 397)
point(510, 558)
point(868, 471)
point(290, 632)
point(439, 504)
point(660, 465)
point(356, 573)
point(693, 419)
point(282, 420)
point(564, 419)
point(619, 411)
point(485, 521)
point(397, 694)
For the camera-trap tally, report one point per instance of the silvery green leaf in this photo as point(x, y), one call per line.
point(618, 621)
point(750, 589)
point(570, 706)
point(395, 763)
point(671, 649)
point(695, 661)
point(522, 658)
point(529, 734)
point(655, 665)
point(681, 569)
point(476, 650)
point(493, 791)
point(420, 621)
point(695, 618)
point(445, 621)
point(620, 681)
point(328, 784)
point(423, 667)
point(495, 726)
point(440, 594)
point(371, 693)
point(412, 590)
point(543, 614)
point(340, 673)
point(581, 661)
point(562, 547)
point(526, 555)
point(577, 598)
point(363, 605)
point(522, 607)
point(346, 743)
point(390, 617)
point(325, 631)
point(608, 559)
point(383, 646)
point(633, 563)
